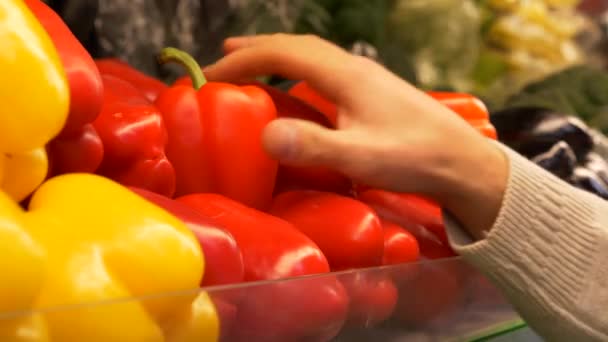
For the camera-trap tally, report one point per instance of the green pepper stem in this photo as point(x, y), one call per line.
point(170, 54)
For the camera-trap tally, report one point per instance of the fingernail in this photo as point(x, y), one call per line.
point(236, 42)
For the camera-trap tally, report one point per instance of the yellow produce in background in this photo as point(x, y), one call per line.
point(490, 48)
point(534, 38)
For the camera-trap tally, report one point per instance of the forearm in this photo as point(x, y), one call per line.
point(547, 251)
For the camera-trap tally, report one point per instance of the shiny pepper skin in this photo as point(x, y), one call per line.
point(215, 136)
point(78, 147)
point(35, 92)
point(35, 98)
point(23, 267)
point(87, 240)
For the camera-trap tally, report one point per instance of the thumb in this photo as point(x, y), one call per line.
point(303, 143)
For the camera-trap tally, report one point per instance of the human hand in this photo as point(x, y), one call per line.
point(389, 135)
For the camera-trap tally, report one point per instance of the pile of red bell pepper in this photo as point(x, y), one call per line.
point(194, 148)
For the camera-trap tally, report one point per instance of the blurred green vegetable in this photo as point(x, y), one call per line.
point(345, 21)
point(440, 38)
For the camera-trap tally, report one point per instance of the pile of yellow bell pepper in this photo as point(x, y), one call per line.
point(84, 239)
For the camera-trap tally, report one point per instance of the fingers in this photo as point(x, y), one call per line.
point(326, 67)
point(302, 143)
point(235, 43)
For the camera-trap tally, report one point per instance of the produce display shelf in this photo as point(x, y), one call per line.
point(498, 330)
point(439, 300)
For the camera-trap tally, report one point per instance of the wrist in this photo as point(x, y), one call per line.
point(471, 185)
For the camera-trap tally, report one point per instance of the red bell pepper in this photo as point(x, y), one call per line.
point(312, 178)
point(289, 106)
point(215, 136)
point(374, 294)
point(348, 232)
point(307, 309)
point(78, 151)
point(406, 210)
point(418, 215)
point(77, 148)
point(134, 139)
point(226, 312)
point(272, 248)
point(373, 298)
point(223, 258)
point(148, 85)
point(86, 88)
point(312, 308)
point(400, 246)
point(434, 294)
point(304, 92)
point(470, 108)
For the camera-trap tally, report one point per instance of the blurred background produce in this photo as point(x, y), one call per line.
point(238, 216)
point(489, 47)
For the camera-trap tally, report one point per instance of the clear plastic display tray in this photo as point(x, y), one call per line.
point(441, 300)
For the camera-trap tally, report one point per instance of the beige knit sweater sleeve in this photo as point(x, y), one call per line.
point(548, 252)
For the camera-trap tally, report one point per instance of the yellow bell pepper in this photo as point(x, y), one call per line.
point(23, 271)
point(28, 328)
point(34, 92)
point(103, 242)
point(23, 172)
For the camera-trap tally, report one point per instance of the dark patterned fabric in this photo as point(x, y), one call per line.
point(136, 30)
